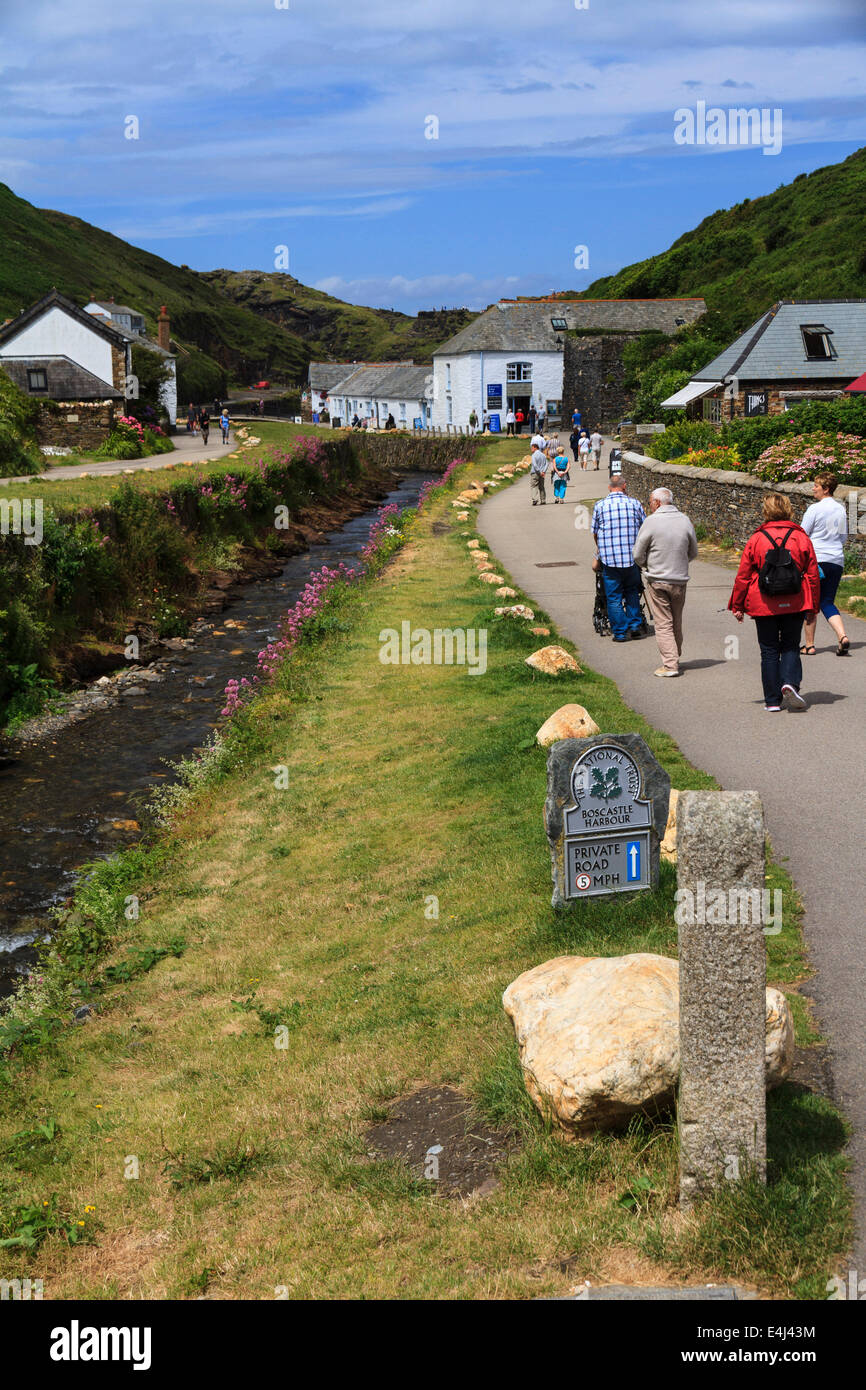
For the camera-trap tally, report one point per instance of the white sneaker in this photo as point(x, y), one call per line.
point(664, 671)
point(773, 709)
point(792, 699)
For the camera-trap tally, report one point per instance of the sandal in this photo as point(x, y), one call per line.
point(808, 651)
point(842, 649)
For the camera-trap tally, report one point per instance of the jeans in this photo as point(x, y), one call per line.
point(622, 587)
point(829, 585)
point(779, 640)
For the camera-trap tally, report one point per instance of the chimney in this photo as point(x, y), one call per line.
point(164, 332)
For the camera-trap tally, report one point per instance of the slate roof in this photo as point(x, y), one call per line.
point(111, 308)
point(772, 349)
point(56, 300)
point(66, 380)
point(525, 325)
point(386, 381)
point(323, 376)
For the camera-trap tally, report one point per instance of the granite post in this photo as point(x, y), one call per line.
point(722, 1090)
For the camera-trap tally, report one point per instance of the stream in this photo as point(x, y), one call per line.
point(73, 798)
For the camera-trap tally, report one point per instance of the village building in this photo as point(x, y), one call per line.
point(554, 354)
point(80, 365)
point(799, 350)
point(322, 377)
point(373, 391)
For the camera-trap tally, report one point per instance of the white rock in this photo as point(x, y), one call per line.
point(598, 1038)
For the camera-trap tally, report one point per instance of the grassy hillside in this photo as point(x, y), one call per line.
point(806, 240)
point(41, 249)
point(250, 323)
point(334, 329)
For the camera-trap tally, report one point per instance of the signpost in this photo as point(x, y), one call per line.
point(615, 461)
point(606, 812)
point(494, 395)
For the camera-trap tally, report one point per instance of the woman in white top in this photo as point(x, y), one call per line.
point(826, 524)
point(583, 446)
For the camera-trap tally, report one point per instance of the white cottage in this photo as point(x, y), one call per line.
point(376, 390)
point(511, 356)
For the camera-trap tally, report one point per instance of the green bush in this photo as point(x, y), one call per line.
point(18, 415)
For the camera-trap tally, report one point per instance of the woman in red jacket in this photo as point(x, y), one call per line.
point(778, 607)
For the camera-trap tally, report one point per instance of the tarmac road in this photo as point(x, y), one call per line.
point(809, 768)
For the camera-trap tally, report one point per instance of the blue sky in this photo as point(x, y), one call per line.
point(262, 127)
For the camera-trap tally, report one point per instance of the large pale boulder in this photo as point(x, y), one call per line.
point(598, 1038)
point(473, 544)
point(504, 591)
point(487, 577)
point(569, 721)
point(516, 610)
point(551, 660)
point(668, 846)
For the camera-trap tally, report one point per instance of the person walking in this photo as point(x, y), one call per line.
point(574, 441)
point(509, 422)
point(542, 416)
point(583, 448)
point(473, 422)
point(665, 544)
point(595, 444)
point(519, 417)
point(826, 524)
point(561, 475)
point(224, 424)
point(538, 469)
point(576, 419)
point(616, 521)
point(531, 418)
point(538, 441)
point(190, 419)
point(777, 584)
point(204, 423)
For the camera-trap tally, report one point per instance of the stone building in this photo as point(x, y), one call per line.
point(799, 350)
point(551, 353)
point(58, 352)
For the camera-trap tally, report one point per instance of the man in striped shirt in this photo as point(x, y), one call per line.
point(616, 520)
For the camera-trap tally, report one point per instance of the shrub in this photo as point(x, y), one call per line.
point(799, 457)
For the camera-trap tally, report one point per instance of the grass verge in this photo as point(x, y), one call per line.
point(328, 924)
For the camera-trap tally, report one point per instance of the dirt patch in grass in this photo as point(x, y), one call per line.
point(435, 1129)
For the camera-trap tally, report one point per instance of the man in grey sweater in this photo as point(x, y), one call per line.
point(665, 544)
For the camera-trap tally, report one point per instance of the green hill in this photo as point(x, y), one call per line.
point(804, 241)
point(332, 328)
point(249, 323)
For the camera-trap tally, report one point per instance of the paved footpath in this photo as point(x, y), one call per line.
point(191, 452)
point(809, 768)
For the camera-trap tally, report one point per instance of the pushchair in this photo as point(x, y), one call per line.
point(600, 618)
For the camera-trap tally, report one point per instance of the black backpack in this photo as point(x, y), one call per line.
point(780, 573)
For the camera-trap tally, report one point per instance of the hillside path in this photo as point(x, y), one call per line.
point(809, 768)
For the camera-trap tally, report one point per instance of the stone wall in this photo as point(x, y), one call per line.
point(593, 379)
point(727, 504)
point(427, 453)
point(74, 424)
point(778, 393)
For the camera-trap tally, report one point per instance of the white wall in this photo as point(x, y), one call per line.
point(472, 372)
point(168, 393)
point(57, 334)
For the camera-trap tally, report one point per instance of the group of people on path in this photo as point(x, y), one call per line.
point(788, 571)
point(516, 419)
point(198, 420)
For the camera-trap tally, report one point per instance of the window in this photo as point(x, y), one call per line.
point(450, 414)
point(37, 380)
point(447, 376)
point(402, 410)
point(559, 325)
point(713, 409)
point(816, 341)
point(518, 371)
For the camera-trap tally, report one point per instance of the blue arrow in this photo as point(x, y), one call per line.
point(632, 851)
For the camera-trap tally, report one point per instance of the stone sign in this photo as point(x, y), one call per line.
point(605, 815)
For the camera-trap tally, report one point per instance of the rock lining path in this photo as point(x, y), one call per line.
point(810, 769)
